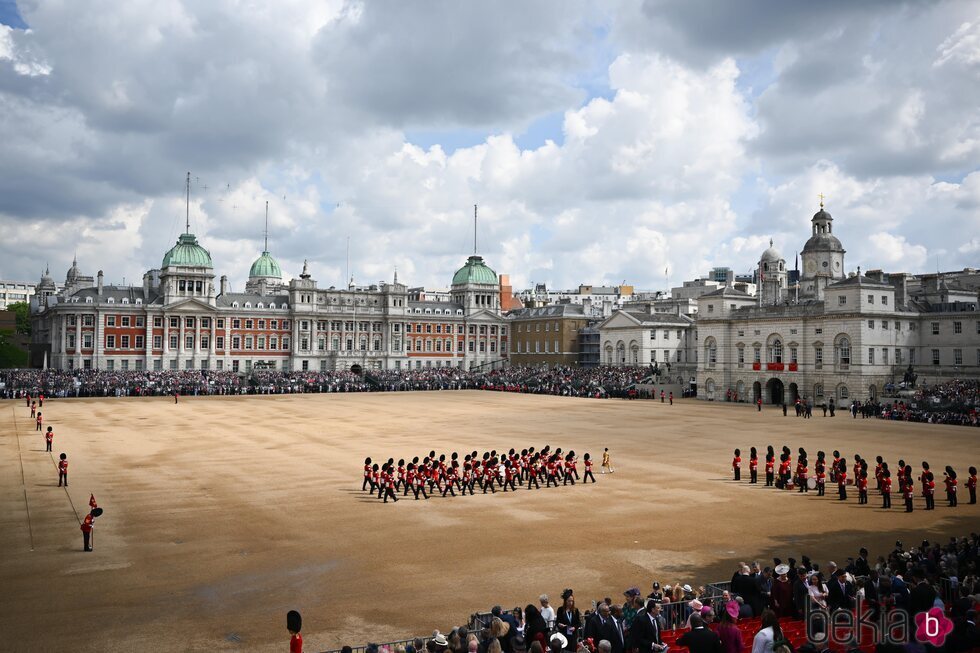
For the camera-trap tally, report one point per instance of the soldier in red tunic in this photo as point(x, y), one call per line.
point(950, 482)
point(737, 464)
point(33, 409)
point(886, 488)
point(294, 624)
point(821, 470)
point(39, 421)
point(802, 475)
point(753, 465)
point(367, 476)
point(862, 484)
point(929, 490)
point(770, 467)
point(63, 469)
point(971, 485)
point(587, 461)
point(48, 438)
point(88, 524)
point(909, 492)
point(842, 481)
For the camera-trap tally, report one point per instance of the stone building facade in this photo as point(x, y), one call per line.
point(547, 335)
point(179, 319)
point(832, 335)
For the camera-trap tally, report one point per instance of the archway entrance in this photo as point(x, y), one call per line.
point(775, 389)
point(872, 393)
point(756, 392)
point(794, 393)
point(355, 368)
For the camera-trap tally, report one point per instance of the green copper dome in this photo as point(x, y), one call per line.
point(475, 271)
point(265, 266)
point(187, 253)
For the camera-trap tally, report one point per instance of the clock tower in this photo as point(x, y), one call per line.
point(823, 256)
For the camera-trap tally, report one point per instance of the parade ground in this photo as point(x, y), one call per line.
point(222, 513)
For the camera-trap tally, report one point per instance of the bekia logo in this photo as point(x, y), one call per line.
point(932, 627)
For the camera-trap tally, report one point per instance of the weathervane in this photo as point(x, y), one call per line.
point(821, 196)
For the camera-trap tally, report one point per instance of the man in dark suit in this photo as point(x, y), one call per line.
point(645, 632)
point(840, 592)
point(603, 626)
point(922, 596)
point(700, 639)
point(861, 566)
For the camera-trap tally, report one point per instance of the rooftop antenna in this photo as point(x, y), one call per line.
point(187, 206)
point(474, 229)
point(266, 249)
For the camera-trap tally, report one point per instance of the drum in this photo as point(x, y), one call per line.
point(811, 483)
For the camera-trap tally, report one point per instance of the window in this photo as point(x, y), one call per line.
point(248, 324)
point(285, 343)
point(776, 351)
point(304, 344)
point(911, 356)
point(219, 342)
point(110, 320)
point(459, 346)
point(110, 365)
point(935, 357)
point(86, 340)
point(898, 356)
point(125, 320)
point(957, 327)
point(110, 342)
point(158, 342)
point(273, 342)
point(188, 341)
point(741, 333)
point(841, 300)
point(304, 325)
point(871, 356)
point(884, 325)
point(884, 300)
point(844, 353)
point(818, 357)
point(321, 344)
point(757, 354)
point(124, 342)
point(260, 344)
point(711, 308)
point(249, 342)
point(221, 323)
point(911, 326)
point(666, 335)
point(236, 323)
point(88, 320)
point(483, 346)
point(884, 356)
point(818, 330)
point(842, 392)
point(871, 299)
point(741, 355)
point(898, 325)
point(428, 328)
point(189, 323)
point(957, 357)
point(236, 342)
point(871, 324)
point(935, 328)
point(205, 323)
point(792, 355)
point(174, 341)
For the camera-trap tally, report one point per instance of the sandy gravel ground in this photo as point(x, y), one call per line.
point(224, 513)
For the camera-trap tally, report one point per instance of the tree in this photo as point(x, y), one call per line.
point(10, 354)
point(23, 312)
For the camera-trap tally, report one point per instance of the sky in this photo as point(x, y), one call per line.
point(603, 141)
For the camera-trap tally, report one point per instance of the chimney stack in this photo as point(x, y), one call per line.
point(224, 284)
point(100, 283)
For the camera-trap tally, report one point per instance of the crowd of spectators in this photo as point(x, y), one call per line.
point(930, 575)
point(598, 382)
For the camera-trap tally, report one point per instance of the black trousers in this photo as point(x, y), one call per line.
point(862, 496)
point(930, 501)
point(49, 446)
point(770, 479)
point(803, 486)
point(568, 477)
point(510, 482)
point(62, 477)
point(86, 541)
point(753, 476)
point(738, 474)
point(820, 489)
point(390, 492)
point(533, 479)
point(886, 500)
point(364, 485)
point(952, 499)
point(908, 505)
point(588, 475)
point(843, 491)
point(973, 495)
point(38, 426)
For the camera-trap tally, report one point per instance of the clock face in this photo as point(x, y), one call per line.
point(825, 263)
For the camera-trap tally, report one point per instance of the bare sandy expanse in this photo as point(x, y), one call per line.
point(223, 513)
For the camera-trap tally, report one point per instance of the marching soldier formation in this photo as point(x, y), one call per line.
point(87, 525)
point(782, 478)
point(487, 472)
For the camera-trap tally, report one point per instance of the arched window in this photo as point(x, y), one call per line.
point(818, 390)
point(776, 350)
point(710, 352)
point(843, 352)
point(842, 392)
